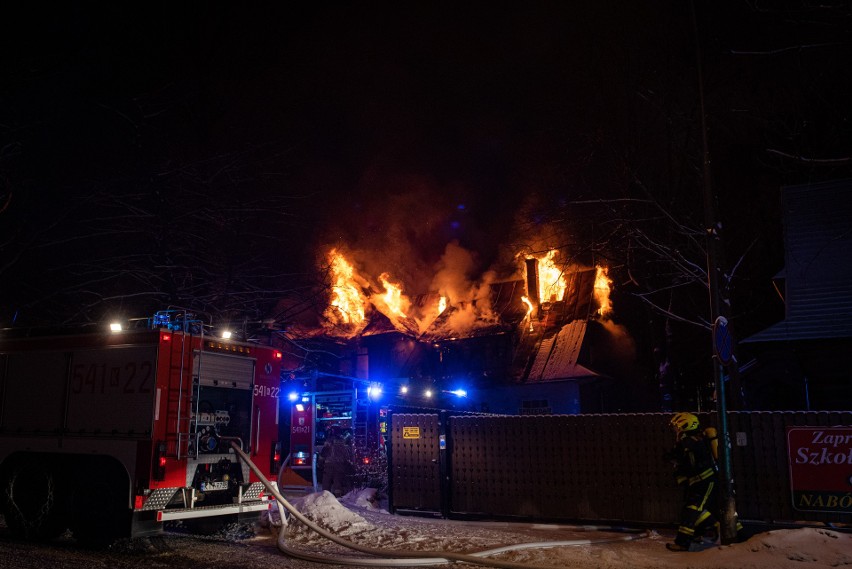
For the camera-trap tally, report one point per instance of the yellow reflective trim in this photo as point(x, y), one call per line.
point(703, 476)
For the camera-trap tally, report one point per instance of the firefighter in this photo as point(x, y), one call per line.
point(337, 460)
point(695, 469)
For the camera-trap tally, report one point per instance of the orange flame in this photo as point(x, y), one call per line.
point(529, 310)
point(393, 298)
point(602, 290)
point(348, 304)
point(429, 315)
point(551, 278)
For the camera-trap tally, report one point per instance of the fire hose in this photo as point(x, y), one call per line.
point(404, 557)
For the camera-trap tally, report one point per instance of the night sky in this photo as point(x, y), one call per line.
point(156, 153)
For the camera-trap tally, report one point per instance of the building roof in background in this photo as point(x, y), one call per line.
point(818, 264)
point(558, 354)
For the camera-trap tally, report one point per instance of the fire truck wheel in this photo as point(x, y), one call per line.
point(33, 503)
point(99, 513)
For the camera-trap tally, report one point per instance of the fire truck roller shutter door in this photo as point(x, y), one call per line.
point(222, 370)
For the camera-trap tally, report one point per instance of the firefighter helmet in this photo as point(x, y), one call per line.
point(684, 422)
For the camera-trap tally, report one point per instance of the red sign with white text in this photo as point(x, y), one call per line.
point(821, 468)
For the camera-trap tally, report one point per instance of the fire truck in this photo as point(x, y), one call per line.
point(355, 412)
point(114, 434)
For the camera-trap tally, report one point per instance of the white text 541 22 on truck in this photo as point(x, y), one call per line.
point(112, 435)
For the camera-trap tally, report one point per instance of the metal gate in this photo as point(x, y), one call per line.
point(584, 467)
point(414, 475)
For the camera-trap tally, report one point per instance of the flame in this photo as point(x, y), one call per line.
point(602, 290)
point(529, 310)
point(551, 278)
point(442, 304)
point(348, 304)
point(393, 298)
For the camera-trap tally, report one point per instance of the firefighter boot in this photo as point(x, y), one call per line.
point(683, 542)
point(677, 547)
point(710, 534)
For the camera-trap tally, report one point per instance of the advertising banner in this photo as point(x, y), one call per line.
point(821, 468)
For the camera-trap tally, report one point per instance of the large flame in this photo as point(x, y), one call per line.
point(396, 303)
point(602, 290)
point(348, 303)
point(551, 278)
point(353, 296)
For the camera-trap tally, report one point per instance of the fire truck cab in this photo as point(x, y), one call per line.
point(112, 435)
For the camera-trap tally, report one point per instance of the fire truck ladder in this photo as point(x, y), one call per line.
point(182, 392)
point(179, 416)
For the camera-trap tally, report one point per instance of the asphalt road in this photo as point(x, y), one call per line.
point(220, 551)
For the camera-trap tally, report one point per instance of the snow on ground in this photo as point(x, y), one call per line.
point(359, 518)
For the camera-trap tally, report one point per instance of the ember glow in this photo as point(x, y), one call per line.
point(602, 290)
point(529, 310)
point(348, 303)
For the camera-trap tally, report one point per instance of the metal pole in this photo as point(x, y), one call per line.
point(727, 506)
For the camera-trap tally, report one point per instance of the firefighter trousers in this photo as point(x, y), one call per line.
point(696, 516)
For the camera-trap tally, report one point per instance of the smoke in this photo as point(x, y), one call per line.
point(626, 345)
point(617, 351)
point(468, 295)
point(452, 276)
point(412, 229)
point(392, 224)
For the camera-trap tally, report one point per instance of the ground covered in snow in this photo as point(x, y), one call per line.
point(360, 519)
point(357, 518)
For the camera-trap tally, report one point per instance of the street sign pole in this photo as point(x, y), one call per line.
point(727, 504)
point(723, 356)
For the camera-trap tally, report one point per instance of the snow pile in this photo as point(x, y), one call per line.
point(323, 509)
point(365, 498)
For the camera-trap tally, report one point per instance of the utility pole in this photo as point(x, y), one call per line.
point(727, 505)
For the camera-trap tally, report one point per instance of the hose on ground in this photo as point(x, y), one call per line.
point(397, 557)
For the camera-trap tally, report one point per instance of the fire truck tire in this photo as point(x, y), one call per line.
point(99, 507)
point(33, 501)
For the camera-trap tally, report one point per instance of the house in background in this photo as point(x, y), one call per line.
point(805, 361)
point(523, 360)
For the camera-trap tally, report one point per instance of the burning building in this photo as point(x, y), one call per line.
point(514, 345)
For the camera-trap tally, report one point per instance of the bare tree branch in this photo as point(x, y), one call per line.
point(806, 160)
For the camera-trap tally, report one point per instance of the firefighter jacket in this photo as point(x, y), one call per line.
point(693, 459)
point(335, 451)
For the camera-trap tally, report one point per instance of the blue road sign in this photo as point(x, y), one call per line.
point(723, 343)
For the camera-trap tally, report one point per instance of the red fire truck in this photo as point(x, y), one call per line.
point(112, 435)
point(355, 411)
